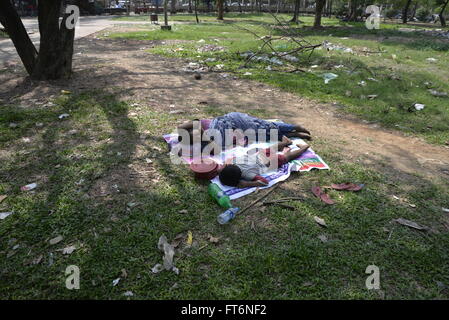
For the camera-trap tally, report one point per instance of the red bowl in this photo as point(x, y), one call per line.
point(206, 169)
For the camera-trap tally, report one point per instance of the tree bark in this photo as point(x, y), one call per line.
point(405, 12)
point(442, 18)
point(319, 12)
point(196, 11)
point(296, 11)
point(18, 34)
point(56, 47)
point(220, 9)
point(190, 6)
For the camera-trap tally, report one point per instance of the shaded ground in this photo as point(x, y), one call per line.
point(98, 190)
point(158, 81)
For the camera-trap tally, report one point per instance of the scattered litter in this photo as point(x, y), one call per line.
point(39, 124)
point(219, 66)
point(3, 197)
point(175, 270)
point(268, 68)
point(322, 237)
point(329, 77)
point(50, 259)
point(372, 96)
point(431, 60)
point(419, 106)
point(148, 160)
point(213, 239)
point(184, 211)
point(128, 294)
point(157, 268)
point(176, 111)
point(247, 74)
point(68, 250)
point(56, 240)
point(412, 205)
point(201, 41)
point(64, 115)
point(320, 221)
point(65, 92)
point(115, 282)
point(189, 238)
point(13, 125)
point(210, 60)
point(445, 210)
point(331, 47)
point(29, 187)
point(168, 250)
point(314, 66)
point(290, 58)
point(37, 260)
point(3, 215)
point(362, 83)
point(210, 47)
point(437, 93)
point(410, 224)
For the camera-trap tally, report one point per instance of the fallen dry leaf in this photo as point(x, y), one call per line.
point(68, 250)
point(213, 239)
point(56, 240)
point(189, 238)
point(410, 224)
point(3, 197)
point(320, 221)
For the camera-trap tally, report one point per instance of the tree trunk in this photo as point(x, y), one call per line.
point(296, 11)
point(196, 11)
point(442, 18)
point(318, 13)
point(414, 9)
point(220, 9)
point(18, 34)
point(56, 47)
point(190, 6)
point(352, 7)
point(173, 7)
point(405, 12)
point(240, 6)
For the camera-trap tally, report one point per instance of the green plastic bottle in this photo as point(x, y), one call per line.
point(219, 196)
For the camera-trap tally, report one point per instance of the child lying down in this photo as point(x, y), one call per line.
point(245, 171)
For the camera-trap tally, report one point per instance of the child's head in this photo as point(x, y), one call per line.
point(230, 175)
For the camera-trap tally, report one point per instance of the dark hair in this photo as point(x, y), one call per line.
point(230, 175)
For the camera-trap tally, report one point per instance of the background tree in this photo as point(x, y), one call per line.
point(405, 12)
point(296, 11)
point(319, 12)
point(54, 58)
point(220, 9)
point(444, 4)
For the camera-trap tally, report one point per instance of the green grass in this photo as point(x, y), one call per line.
point(403, 74)
point(281, 259)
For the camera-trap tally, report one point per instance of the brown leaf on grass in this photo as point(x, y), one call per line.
point(213, 239)
point(411, 224)
point(320, 221)
point(177, 240)
point(3, 197)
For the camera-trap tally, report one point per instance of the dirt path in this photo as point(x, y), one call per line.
point(161, 83)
